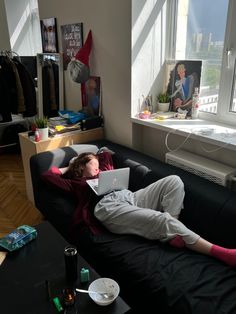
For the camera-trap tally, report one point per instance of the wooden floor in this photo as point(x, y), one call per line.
point(15, 209)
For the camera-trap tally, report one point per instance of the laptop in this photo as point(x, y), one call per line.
point(110, 180)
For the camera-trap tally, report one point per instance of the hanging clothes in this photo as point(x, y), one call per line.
point(50, 83)
point(56, 79)
point(17, 90)
point(8, 103)
point(28, 89)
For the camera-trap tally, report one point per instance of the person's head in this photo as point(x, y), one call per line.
point(181, 70)
point(85, 165)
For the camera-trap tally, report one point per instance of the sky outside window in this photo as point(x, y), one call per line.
point(204, 31)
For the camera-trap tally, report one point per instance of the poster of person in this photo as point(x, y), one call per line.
point(49, 35)
point(91, 96)
point(183, 77)
point(72, 41)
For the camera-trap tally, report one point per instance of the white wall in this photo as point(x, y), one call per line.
point(110, 22)
point(148, 51)
point(152, 142)
point(4, 38)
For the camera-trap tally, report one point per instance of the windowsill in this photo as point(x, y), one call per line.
point(202, 130)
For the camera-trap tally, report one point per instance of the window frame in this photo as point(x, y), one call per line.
point(223, 114)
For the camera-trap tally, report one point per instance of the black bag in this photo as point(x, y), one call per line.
point(91, 123)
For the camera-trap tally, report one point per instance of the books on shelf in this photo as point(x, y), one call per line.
point(59, 130)
point(57, 121)
point(58, 126)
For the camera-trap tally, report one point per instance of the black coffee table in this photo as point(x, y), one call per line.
point(23, 275)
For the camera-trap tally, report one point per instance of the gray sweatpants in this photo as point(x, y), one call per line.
point(149, 212)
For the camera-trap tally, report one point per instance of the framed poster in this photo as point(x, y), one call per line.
point(49, 35)
point(91, 96)
point(72, 41)
point(183, 77)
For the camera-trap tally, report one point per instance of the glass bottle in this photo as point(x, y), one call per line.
point(70, 255)
point(36, 136)
point(195, 104)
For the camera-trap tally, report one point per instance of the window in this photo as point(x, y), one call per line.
point(24, 27)
point(204, 31)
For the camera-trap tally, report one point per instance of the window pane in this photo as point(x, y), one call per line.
point(200, 35)
point(24, 27)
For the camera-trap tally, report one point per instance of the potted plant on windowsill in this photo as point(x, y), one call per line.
point(42, 127)
point(163, 102)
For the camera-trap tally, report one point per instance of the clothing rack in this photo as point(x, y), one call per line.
point(9, 53)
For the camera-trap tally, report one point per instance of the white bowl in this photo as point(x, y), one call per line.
point(104, 285)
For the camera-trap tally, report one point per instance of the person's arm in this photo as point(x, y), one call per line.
point(53, 177)
point(105, 161)
point(183, 104)
point(177, 103)
point(187, 104)
point(64, 170)
point(193, 82)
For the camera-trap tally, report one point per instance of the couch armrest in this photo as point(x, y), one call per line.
point(50, 201)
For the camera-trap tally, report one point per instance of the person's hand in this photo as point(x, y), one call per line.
point(177, 103)
point(63, 170)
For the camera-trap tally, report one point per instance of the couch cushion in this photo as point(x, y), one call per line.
point(84, 148)
point(204, 201)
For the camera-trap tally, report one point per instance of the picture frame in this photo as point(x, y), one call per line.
point(72, 41)
point(182, 77)
point(49, 35)
point(91, 96)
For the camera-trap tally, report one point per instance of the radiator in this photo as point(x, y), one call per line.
point(203, 167)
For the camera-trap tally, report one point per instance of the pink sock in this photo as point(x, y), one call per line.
point(177, 241)
point(226, 255)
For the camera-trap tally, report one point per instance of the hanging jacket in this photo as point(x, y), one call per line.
point(7, 91)
point(19, 89)
point(28, 89)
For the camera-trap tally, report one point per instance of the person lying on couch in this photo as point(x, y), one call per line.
point(151, 212)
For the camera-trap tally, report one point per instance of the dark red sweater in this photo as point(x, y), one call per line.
point(87, 199)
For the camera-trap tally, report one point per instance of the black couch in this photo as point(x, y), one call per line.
point(154, 277)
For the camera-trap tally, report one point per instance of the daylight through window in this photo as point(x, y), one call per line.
point(201, 26)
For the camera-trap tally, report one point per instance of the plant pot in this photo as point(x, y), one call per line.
point(43, 133)
point(163, 106)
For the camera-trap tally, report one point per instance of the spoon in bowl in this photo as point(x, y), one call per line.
point(105, 295)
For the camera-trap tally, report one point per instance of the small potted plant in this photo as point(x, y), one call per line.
point(42, 127)
point(163, 102)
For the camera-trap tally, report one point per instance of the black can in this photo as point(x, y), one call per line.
point(70, 254)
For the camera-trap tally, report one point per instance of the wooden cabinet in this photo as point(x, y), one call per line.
point(29, 148)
